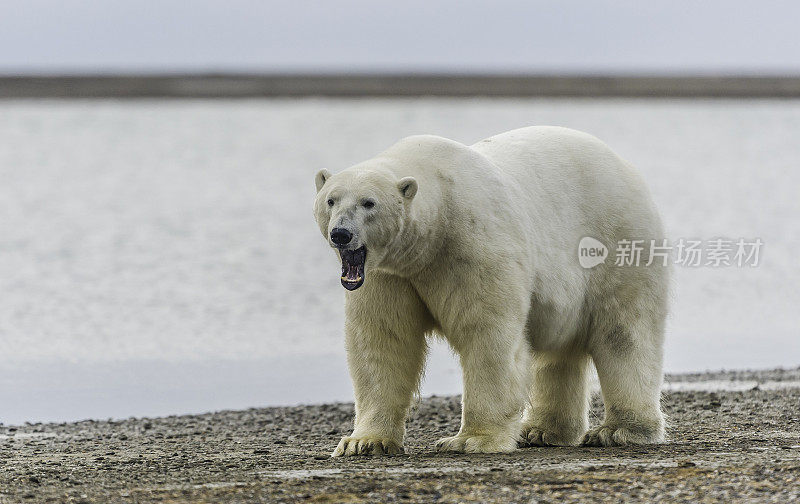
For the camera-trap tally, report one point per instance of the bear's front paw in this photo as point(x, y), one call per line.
point(367, 445)
point(606, 435)
point(482, 443)
point(536, 436)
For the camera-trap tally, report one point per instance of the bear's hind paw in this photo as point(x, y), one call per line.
point(535, 436)
point(477, 444)
point(606, 435)
point(367, 445)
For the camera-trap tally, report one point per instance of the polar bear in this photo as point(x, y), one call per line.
point(479, 245)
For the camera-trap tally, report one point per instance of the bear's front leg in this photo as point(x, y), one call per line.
point(494, 363)
point(385, 338)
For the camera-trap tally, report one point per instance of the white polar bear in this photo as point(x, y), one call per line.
point(479, 245)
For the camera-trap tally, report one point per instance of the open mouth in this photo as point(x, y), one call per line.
point(353, 267)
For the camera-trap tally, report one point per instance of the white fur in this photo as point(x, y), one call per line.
point(478, 244)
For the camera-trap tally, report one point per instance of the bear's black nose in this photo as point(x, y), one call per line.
point(341, 236)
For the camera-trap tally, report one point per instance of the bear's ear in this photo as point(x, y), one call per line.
point(408, 187)
point(321, 177)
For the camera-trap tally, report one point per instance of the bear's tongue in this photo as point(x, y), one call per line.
point(353, 267)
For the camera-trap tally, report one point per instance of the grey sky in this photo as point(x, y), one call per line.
point(362, 35)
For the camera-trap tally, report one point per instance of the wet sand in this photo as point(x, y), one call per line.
point(724, 445)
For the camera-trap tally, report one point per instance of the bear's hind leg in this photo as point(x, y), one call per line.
point(628, 361)
point(559, 400)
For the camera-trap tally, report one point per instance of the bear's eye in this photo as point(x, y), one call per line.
point(330, 202)
point(368, 204)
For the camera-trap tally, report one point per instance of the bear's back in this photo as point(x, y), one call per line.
point(567, 168)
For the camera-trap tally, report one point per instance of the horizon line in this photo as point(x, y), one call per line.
point(395, 84)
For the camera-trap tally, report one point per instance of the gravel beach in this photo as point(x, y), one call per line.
point(733, 436)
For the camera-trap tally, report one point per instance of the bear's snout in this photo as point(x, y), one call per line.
point(341, 236)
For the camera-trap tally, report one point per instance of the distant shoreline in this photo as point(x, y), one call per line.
point(394, 85)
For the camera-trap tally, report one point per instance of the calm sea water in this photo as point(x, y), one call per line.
point(160, 257)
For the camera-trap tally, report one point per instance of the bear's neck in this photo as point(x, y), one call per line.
point(420, 241)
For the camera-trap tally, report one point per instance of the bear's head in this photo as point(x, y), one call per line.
point(361, 212)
